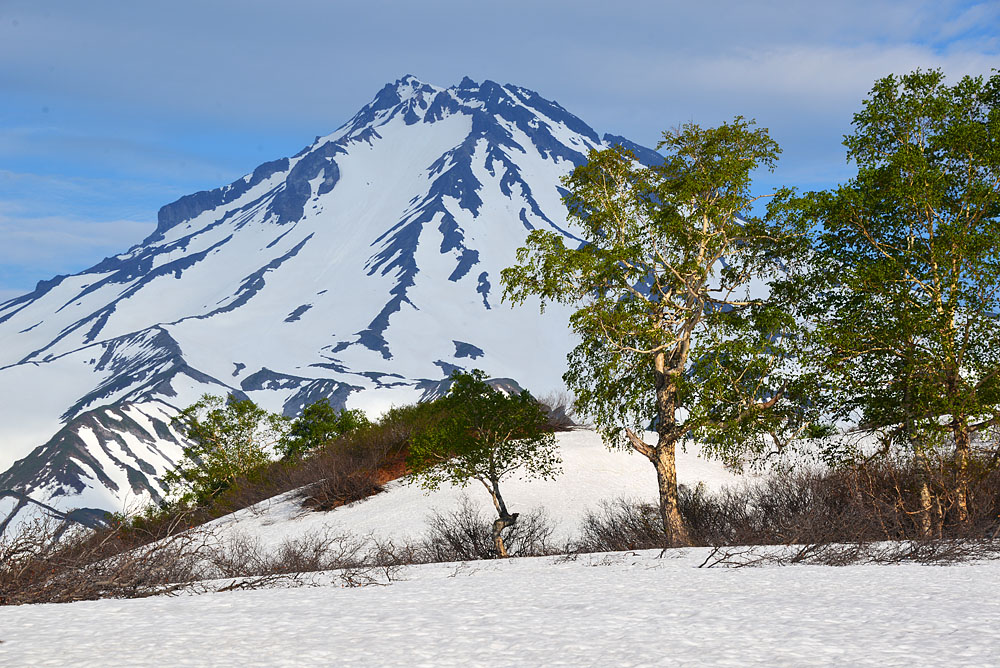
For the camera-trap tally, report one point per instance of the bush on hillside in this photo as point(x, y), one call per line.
point(466, 534)
point(43, 562)
point(229, 439)
point(319, 425)
point(878, 501)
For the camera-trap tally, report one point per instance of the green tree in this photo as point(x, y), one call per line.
point(904, 292)
point(485, 435)
point(319, 424)
point(671, 331)
point(228, 439)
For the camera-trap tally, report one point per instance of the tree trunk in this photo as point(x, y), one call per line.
point(504, 519)
point(930, 521)
point(663, 455)
point(929, 515)
point(960, 430)
point(499, 525)
point(666, 477)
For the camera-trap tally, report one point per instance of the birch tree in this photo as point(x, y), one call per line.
point(485, 435)
point(227, 439)
point(671, 281)
point(906, 274)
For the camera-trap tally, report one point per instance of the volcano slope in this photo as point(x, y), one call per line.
point(361, 270)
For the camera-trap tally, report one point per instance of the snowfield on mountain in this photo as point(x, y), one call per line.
point(362, 270)
point(637, 608)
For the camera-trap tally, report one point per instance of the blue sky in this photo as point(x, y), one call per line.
point(110, 109)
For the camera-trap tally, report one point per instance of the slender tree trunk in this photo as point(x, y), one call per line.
point(929, 521)
point(666, 478)
point(930, 503)
point(929, 527)
point(930, 506)
point(960, 431)
point(504, 519)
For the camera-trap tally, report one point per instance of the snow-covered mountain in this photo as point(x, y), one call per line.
point(364, 269)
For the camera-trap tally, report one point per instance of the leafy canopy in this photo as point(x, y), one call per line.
point(905, 292)
point(229, 439)
point(483, 434)
point(318, 425)
point(672, 315)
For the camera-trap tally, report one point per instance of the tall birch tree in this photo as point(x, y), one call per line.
point(671, 284)
point(905, 293)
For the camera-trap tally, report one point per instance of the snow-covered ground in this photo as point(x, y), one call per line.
point(590, 474)
point(600, 610)
point(616, 609)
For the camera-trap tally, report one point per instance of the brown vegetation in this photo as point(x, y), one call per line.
point(860, 505)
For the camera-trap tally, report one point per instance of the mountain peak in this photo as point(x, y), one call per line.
point(408, 85)
point(366, 265)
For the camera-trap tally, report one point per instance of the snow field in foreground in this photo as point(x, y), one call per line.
point(620, 609)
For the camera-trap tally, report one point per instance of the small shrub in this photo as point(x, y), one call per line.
point(244, 556)
point(559, 411)
point(621, 524)
point(466, 534)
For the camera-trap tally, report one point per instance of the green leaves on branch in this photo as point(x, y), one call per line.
point(230, 439)
point(673, 314)
point(485, 435)
point(234, 439)
point(906, 271)
point(317, 426)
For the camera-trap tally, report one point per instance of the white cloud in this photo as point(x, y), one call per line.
point(37, 248)
point(132, 88)
point(7, 294)
point(42, 240)
point(979, 18)
point(240, 61)
point(819, 79)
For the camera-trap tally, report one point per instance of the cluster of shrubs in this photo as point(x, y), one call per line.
point(329, 457)
point(333, 458)
point(240, 455)
point(838, 516)
point(879, 501)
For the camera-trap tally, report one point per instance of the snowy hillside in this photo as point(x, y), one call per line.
point(600, 609)
point(364, 269)
point(590, 474)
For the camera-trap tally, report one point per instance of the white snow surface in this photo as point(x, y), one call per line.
point(613, 609)
point(619, 609)
point(590, 474)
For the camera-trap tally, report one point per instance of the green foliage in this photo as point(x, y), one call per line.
point(482, 434)
point(230, 439)
point(318, 425)
point(904, 290)
point(817, 430)
point(669, 327)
